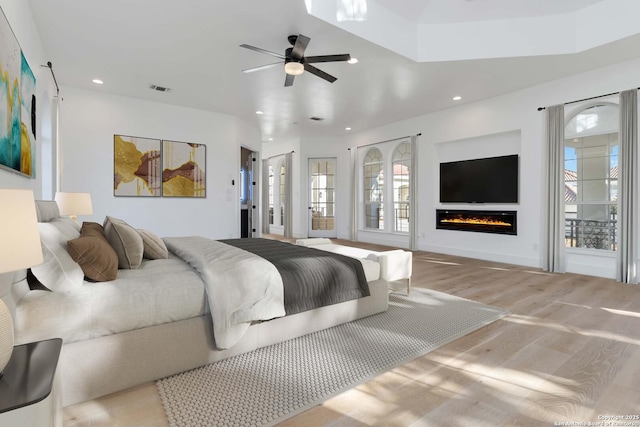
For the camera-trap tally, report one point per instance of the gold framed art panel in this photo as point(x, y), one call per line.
point(150, 167)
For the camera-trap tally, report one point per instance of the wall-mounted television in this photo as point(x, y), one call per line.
point(488, 180)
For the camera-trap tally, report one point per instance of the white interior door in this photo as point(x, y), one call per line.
point(322, 196)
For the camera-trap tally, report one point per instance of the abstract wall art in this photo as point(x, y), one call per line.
point(17, 106)
point(183, 169)
point(136, 166)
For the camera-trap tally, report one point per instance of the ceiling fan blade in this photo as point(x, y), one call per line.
point(327, 58)
point(262, 67)
point(257, 49)
point(319, 73)
point(300, 46)
point(288, 81)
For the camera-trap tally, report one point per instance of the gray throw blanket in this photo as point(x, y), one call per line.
point(311, 278)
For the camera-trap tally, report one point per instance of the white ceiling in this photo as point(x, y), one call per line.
point(192, 47)
point(454, 11)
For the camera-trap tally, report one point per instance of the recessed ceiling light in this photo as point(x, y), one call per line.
point(457, 98)
point(347, 128)
point(97, 81)
point(352, 61)
point(259, 112)
point(269, 139)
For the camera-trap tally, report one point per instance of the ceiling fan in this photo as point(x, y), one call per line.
point(295, 63)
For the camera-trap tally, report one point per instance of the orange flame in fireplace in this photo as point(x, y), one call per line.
point(476, 221)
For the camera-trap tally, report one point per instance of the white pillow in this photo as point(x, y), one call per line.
point(67, 226)
point(59, 272)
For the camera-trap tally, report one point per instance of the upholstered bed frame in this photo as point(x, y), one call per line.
point(103, 365)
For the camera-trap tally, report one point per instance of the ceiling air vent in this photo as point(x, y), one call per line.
point(160, 88)
point(317, 119)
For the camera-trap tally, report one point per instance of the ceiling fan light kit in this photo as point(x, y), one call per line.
point(295, 63)
point(293, 68)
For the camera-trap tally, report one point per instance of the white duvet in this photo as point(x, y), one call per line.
point(241, 287)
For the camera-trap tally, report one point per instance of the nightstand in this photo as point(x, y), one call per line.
point(30, 392)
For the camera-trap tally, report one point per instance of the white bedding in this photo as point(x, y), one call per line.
point(160, 291)
point(241, 287)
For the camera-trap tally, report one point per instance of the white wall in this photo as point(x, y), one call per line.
point(21, 21)
point(494, 126)
point(89, 119)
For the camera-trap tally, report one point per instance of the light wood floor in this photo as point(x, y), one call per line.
point(569, 351)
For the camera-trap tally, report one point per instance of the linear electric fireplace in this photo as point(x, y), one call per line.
point(500, 222)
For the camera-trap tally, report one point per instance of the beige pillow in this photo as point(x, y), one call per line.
point(154, 247)
point(92, 251)
point(126, 241)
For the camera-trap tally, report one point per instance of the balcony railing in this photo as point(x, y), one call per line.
point(592, 234)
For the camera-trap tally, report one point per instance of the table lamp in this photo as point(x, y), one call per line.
point(19, 249)
point(74, 204)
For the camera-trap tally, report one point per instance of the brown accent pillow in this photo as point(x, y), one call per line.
point(126, 241)
point(94, 254)
point(154, 247)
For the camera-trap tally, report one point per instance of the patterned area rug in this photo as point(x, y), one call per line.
point(268, 385)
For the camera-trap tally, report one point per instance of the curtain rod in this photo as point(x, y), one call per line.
point(50, 67)
point(586, 99)
point(388, 140)
point(278, 155)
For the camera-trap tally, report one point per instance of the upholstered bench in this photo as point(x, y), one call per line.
point(395, 265)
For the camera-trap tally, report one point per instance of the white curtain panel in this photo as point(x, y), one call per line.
point(354, 193)
point(413, 190)
point(288, 189)
point(57, 145)
point(628, 189)
point(553, 248)
point(265, 197)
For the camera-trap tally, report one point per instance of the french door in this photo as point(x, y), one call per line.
point(322, 196)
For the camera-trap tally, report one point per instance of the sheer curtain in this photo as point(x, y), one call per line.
point(288, 191)
point(553, 248)
point(628, 189)
point(354, 193)
point(413, 191)
point(264, 217)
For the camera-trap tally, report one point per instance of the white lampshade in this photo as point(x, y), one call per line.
point(19, 235)
point(294, 68)
point(19, 248)
point(74, 204)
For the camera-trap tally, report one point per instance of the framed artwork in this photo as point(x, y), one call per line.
point(136, 166)
point(183, 169)
point(17, 106)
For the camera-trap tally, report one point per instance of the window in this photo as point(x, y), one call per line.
point(591, 178)
point(401, 170)
point(270, 195)
point(373, 190)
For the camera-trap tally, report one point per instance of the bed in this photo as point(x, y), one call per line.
point(163, 317)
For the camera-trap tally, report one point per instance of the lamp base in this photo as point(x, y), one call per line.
point(6, 336)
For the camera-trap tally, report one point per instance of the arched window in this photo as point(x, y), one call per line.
point(591, 177)
point(283, 171)
point(401, 169)
point(270, 194)
point(373, 190)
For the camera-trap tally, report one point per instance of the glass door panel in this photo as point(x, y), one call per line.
point(322, 181)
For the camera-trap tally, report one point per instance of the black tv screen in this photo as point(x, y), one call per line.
point(489, 180)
